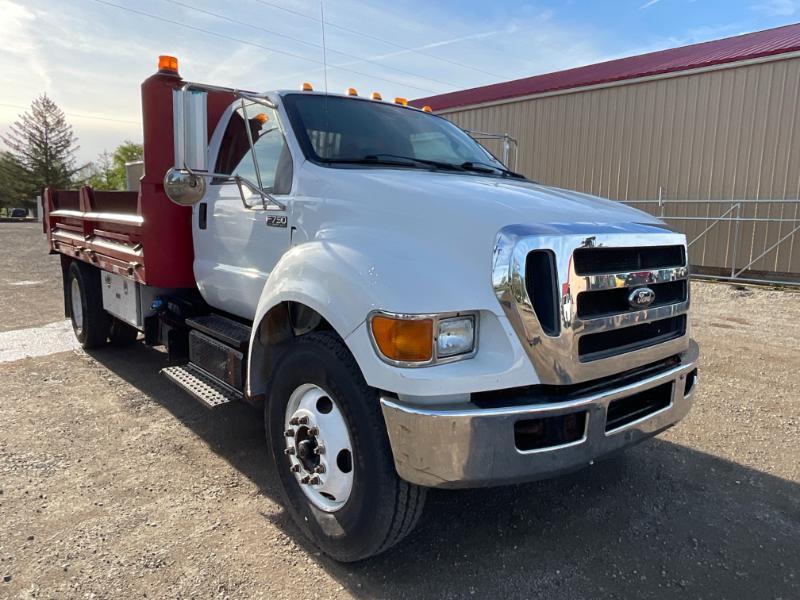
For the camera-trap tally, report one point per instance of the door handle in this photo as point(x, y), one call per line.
point(202, 215)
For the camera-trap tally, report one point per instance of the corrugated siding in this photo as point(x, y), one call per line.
point(780, 40)
point(724, 135)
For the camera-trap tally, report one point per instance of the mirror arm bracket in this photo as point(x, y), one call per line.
point(267, 199)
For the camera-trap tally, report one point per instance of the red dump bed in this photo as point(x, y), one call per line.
point(141, 235)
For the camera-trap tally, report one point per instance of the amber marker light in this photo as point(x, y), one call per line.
point(261, 118)
point(376, 96)
point(427, 108)
point(306, 87)
point(401, 101)
point(167, 63)
point(351, 92)
point(403, 340)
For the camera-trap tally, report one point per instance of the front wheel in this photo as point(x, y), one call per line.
point(328, 439)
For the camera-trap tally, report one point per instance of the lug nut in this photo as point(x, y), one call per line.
point(302, 420)
point(319, 469)
point(289, 433)
point(290, 451)
point(320, 449)
point(312, 431)
point(305, 480)
point(294, 468)
point(294, 421)
point(314, 480)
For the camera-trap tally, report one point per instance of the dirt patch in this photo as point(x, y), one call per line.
point(113, 484)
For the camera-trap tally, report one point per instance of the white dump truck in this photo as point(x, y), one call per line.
point(407, 312)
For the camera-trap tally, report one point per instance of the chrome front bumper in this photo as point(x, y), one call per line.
point(470, 446)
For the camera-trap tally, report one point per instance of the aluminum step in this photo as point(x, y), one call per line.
point(210, 392)
point(225, 330)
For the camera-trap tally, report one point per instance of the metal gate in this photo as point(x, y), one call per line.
point(742, 240)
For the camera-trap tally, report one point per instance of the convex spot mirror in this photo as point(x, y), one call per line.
point(184, 188)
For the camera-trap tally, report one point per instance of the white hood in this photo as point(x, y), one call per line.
point(424, 240)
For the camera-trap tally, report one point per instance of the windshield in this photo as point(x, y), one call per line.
point(338, 130)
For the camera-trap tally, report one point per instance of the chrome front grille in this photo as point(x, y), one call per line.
point(595, 260)
point(575, 319)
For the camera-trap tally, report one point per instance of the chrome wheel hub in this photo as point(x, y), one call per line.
point(319, 448)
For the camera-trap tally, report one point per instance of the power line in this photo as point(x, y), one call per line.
point(255, 44)
point(299, 41)
point(78, 116)
point(382, 40)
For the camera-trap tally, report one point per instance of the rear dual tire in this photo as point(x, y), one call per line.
point(377, 509)
point(90, 321)
point(93, 326)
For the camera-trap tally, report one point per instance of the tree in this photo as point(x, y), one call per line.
point(126, 152)
point(108, 171)
point(98, 174)
point(43, 143)
point(14, 186)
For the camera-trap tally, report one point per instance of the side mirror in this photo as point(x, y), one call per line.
point(190, 135)
point(190, 128)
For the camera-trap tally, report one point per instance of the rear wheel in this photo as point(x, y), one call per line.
point(89, 320)
point(328, 439)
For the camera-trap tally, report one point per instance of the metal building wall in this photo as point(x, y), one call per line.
point(720, 135)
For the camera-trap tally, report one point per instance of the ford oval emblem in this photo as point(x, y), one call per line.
point(641, 297)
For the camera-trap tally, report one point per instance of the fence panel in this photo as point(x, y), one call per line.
point(744, 240)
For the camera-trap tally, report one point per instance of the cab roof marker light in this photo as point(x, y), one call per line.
point(351, 91)
point(376, 96)
point(306, 87)
point(401, 101)
point(427, 108)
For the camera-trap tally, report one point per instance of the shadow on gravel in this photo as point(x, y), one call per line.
point(662, 520)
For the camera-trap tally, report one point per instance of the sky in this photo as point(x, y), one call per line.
point(90, 56)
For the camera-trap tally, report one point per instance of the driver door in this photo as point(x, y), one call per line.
point(238, 237)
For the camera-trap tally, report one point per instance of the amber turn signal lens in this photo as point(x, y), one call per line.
point(167, 63)
point(408, 340)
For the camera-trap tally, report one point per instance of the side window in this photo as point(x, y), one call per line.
point(272, 154)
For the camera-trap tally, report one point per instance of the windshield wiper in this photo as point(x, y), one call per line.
point(482, 167)
point(394, 160)
point(410, 161)
point(367, 160)
point(436, 164)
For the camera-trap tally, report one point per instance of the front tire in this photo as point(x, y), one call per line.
point(90, 321)
point(356, 506)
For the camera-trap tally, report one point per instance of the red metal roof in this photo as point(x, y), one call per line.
point(743, 47)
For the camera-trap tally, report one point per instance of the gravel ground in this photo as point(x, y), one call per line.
point(30, 280)
point(113, 484)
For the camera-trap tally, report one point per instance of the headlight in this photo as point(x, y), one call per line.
point(423, 340)
point(455, 336)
